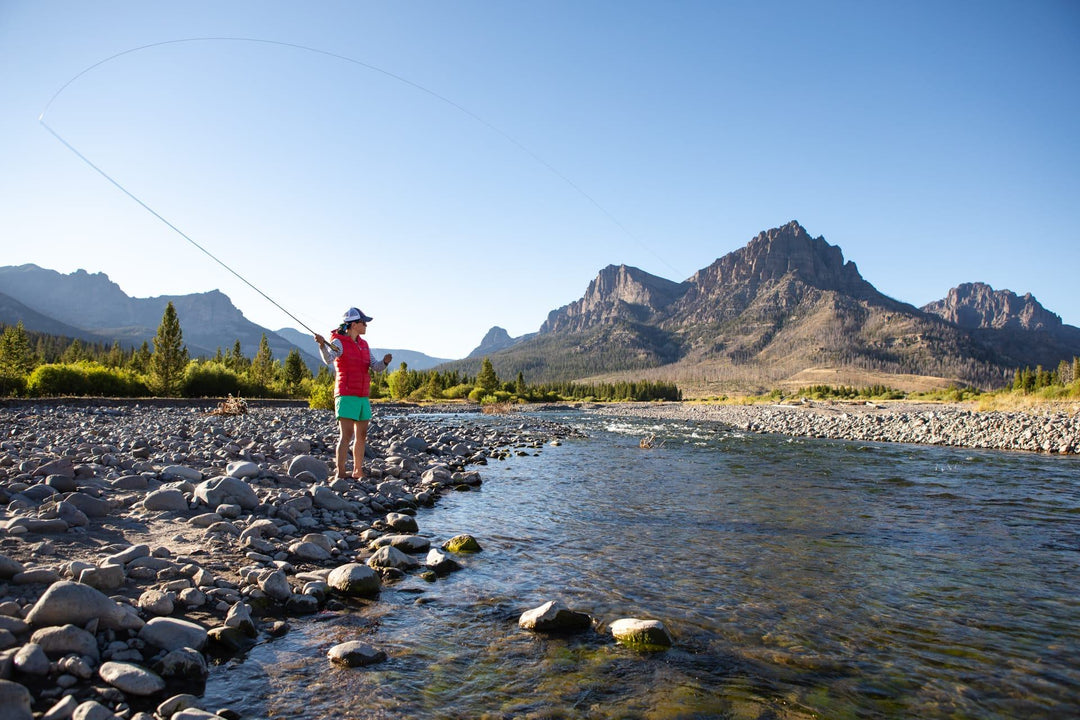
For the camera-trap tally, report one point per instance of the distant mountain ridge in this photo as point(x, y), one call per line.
point(783, 307)
point(98, 309)
point(785, 303)
point(978, 306)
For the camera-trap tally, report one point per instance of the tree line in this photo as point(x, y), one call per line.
point(36, 365)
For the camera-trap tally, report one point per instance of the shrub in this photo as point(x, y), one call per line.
point(457, 392)
point(85, 378)
point(209, 379)
point(322, 397)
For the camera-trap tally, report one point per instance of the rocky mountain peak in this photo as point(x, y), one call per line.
point(618, 291)
point(782, 251)
point(496, 339)
point(977, 305)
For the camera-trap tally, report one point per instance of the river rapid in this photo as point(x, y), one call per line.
point(800, 578)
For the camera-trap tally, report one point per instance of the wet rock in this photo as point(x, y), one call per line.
point(553, 616)
point(355, 654)
point(462, 544)
point(355, 580)
point(402, 523)
point(183, 663)
point(641, 634)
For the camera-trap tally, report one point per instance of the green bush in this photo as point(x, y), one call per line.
point(322, 397)
point(457, 392)
point(210, 379)
point(85, 378)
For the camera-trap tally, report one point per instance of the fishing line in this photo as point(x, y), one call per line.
point(506, 136)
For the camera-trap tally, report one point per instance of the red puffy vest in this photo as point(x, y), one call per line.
point(353, 366)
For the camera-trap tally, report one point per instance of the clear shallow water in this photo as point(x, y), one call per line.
point(800, 578)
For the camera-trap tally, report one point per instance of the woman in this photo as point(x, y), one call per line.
point(351, 358)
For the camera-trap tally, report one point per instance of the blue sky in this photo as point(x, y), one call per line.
point(934, 142)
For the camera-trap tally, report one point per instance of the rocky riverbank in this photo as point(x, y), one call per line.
point(138, 542)
point(1046, 431)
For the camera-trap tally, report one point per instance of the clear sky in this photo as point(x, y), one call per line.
point(480, 162)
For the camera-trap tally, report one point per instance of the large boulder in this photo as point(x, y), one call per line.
point(355, 580)
point(391, 557)
point(166, 499)
point(65, 640)
point(402, 523)
point(405, 543)
point(326, 499)
point(553, 616)
point(173, 634)
point(463, 543)
point(67, 602)
point(226, 490)
point(131, 679)
point(355, 654)
point(641, 634)
point(307, 463)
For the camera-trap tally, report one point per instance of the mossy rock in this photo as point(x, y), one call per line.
point(638, 634)
point(462, 544)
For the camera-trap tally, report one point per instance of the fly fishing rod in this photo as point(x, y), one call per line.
point(506, 136)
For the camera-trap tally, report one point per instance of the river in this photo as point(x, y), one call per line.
point(800, 578)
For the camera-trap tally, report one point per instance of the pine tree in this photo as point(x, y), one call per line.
point(115, 357)
point(15, 356)
point(170, 354)
point(235, 360)
point(74, 352)
point(487, 380)
point(140, 360)
point(262, 366)
point(295, 369)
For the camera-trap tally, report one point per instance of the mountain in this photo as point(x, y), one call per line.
point(93, 304)
point(979, 306)
point(495, 340)
point(1019, 329)
point(13, 312)
point(784, 304)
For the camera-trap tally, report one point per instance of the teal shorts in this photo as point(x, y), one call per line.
point(351, 407)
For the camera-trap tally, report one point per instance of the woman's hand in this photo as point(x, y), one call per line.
point(386, 359)
point(320, 339)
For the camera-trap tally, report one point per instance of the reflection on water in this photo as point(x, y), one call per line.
point(800, 578)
